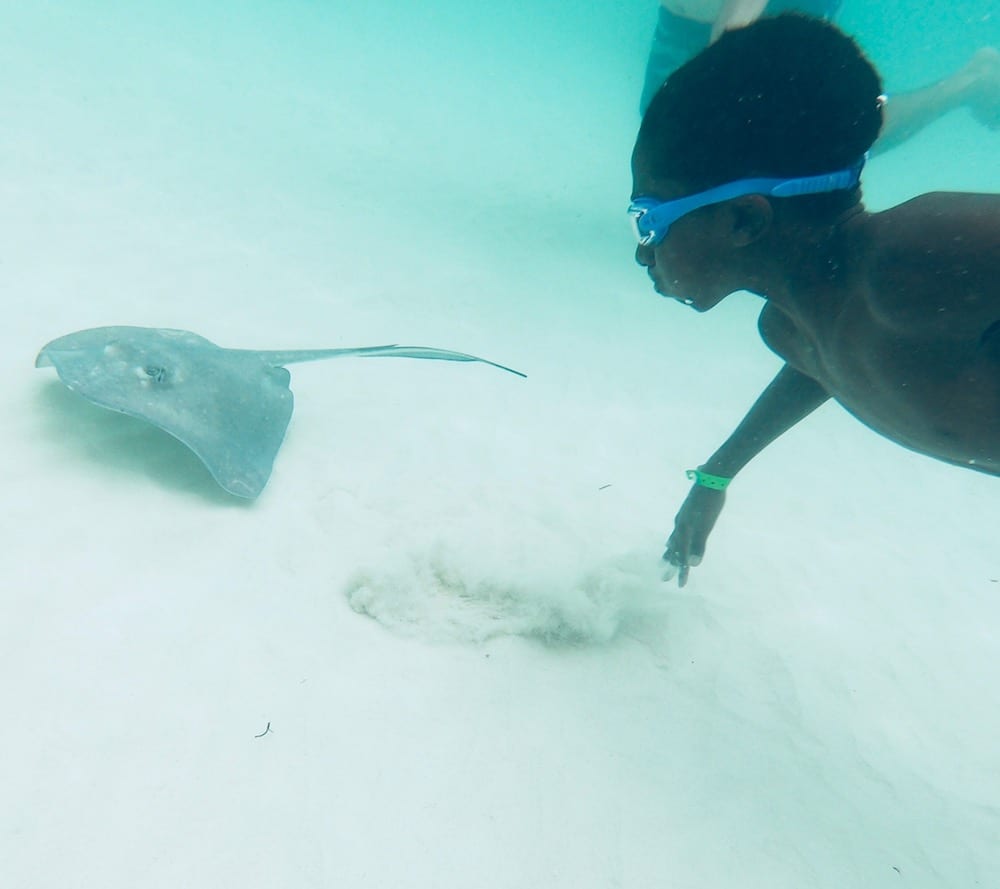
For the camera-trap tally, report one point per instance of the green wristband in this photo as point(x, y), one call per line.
point(707, 480)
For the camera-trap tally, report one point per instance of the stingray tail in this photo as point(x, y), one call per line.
point(391, 351)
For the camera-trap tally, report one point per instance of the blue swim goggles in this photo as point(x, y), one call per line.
point(652, 218)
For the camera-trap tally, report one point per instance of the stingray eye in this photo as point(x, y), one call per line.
point(155, 373)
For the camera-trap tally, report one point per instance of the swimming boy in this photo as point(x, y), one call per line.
point(685, 27)
point(746, 177)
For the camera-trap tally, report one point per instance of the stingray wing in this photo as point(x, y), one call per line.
point(230, 407)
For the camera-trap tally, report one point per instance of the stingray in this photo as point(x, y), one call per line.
point(230, 406)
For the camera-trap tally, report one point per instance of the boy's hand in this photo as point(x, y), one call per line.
point(692, 525)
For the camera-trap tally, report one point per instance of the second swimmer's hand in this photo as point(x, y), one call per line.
point(692, 525)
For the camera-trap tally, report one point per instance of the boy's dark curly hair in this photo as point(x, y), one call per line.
point(785, 96)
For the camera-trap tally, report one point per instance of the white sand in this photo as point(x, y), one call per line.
point(446, 603)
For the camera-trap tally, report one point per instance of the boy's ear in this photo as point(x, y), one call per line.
point(751, 217)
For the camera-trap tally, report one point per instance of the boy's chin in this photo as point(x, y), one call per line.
point(700, 303)
point(688, 301)
point(668, 294)
point(704, 302)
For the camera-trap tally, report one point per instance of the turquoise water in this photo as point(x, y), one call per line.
point(912, 43)
point(293, 122)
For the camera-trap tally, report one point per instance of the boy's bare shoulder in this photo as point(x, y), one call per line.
point(943, 220)
point(935, 254)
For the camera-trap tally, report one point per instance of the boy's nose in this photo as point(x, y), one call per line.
point(645, 256)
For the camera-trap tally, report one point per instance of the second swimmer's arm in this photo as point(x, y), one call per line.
point(736, 14)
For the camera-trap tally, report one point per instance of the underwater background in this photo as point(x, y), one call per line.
point(446, 606)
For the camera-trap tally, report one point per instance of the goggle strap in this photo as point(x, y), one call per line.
point(779, 188)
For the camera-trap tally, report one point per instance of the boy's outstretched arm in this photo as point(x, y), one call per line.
point(790, 397)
